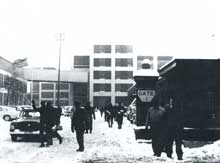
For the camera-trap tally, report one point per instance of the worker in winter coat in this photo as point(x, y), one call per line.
point(174, 131)
point(79, 125)
point(109, 114)
point(120, 114)
point(57, 111)
point(90, 116)
point(156, 119)
point(43, 120)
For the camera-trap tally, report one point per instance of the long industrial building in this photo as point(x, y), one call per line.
point(44, 85)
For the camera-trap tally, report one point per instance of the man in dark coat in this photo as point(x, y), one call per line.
point(109, 114)
point(156, 119)
point(57, 115)
point(101, 109)
point(50, 123)
point(53, 121)
point(174, 132)
point(79, 125)
point(91, 115)
point(43, 120)
point(120, 114)
point(105, 113)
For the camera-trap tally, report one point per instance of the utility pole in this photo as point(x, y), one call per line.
point(60, 37)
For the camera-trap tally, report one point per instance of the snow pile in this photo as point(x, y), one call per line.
point(206, 153)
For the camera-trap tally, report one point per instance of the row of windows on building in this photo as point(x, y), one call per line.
point(106, 62)
point(83, 61)
point(118, 75)
point(50, 86)
point(45, 91)
point(107, 87)
point(108, 49)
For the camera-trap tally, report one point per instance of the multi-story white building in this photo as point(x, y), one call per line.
point(111, 69)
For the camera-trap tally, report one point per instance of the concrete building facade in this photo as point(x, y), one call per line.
point(111, 69)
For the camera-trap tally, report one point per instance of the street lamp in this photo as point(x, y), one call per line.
point(59, 37)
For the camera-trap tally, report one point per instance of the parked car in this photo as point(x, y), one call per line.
point(131, 115)
point(27, 125)
point(9, 113)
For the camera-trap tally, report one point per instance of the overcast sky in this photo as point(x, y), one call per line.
point(187, 28)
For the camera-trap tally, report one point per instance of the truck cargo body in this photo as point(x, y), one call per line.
point(192, 87)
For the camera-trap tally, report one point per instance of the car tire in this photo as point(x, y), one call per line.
point(7, 117)
point(13, 138)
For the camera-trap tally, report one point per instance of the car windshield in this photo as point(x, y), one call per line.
point(29, 113)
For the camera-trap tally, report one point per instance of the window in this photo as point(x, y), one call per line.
point(123, 62)
point(122, 87)
point(123, 75)
point(35, 87)
point(1, 81)
point(64, 95)
point(6, 81)
point(81, 61)
point(1, 99)
point(47, 95)
point(102, 87)
point(140, 60)
point(102, 48)
point(80, 92)
point(64, 86)
point(102, 74)
point(102, 62)
point(123, 49)
point(47, 86)
point(80, 89)
point(5, 99)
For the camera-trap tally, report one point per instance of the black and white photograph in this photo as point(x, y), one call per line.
point(110, 81)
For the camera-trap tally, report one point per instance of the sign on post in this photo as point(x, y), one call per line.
point(146, 95)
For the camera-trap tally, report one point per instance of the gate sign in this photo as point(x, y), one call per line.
point(146, 95)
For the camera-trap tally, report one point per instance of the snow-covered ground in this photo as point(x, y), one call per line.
point(104, 145)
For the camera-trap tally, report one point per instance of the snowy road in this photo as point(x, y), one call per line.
point(105, 145)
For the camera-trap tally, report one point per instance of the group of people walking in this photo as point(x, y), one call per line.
point(49, 122)
point(112, 113)
point(166, 128)
point(81, 122)
point(165, 124)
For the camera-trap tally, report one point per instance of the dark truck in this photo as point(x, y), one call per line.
point(193, 87)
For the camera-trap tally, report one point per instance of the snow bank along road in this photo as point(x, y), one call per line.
point(104, 145)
